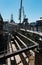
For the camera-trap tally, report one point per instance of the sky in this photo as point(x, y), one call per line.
point(32, 8)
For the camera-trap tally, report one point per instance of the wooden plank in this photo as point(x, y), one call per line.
point(28, 39)
point(21, 41)
point(23, 54)
point(8, 61)
point(17, 57)
point(18, 45)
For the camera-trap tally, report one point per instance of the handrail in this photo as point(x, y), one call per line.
point(35, 32)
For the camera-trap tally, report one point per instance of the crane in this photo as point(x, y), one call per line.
point(20, 11)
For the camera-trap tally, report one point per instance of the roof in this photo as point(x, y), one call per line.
point(33, 24)
point(39, 22)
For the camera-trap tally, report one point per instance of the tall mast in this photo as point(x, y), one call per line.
point(21, 4)
point(20, 11)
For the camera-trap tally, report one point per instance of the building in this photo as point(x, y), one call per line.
point(5, 26)
point(1, 25)
point(33, 26)
point(3, 36)
point(12, 25)
point(39, 25)
point(36, 26)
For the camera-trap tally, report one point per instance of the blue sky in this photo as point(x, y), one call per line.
point(33, 9)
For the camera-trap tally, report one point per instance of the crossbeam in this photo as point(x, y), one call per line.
point(8, 55)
